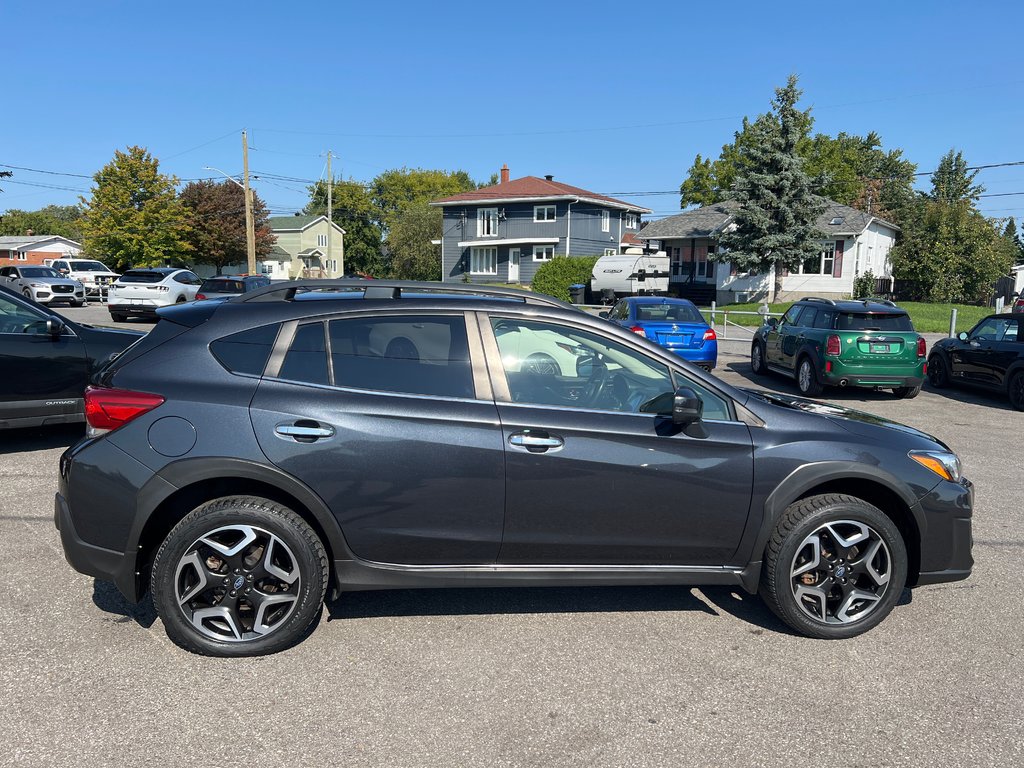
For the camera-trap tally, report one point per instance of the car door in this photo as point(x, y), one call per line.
point(594, 478)
point(395, 428)
point(773, 342)
point(977, 360)
point(42, 375)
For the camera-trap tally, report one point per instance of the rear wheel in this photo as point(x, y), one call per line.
point(757, 364)
point(807, 378)
point(834, 567)
point(906, 393)
point(1016, 390)
point(938, 372)
point(239, 576)
point(118, 317)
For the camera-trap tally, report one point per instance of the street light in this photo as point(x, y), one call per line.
point(250, 238)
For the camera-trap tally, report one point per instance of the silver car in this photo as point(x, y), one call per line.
point(43, 285)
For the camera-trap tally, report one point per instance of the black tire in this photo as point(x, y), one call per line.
point(229, 620)
point(807, 378)
point(118, 317)
point(938, 371)
point(785, 554)
point(757, 363)
point(1015, 390)
point(906, 393)
point(181, 299)
point(78, 303)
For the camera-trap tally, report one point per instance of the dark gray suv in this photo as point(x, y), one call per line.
point(251, 457)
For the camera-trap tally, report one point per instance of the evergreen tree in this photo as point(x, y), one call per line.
point(134, 218)
point(952, 182)
point(1013, 238)
point(775, 222)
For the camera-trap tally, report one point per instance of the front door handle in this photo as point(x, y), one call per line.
point(535, 442)
point(304, 431)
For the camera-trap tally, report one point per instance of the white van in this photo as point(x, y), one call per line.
point(631, 274)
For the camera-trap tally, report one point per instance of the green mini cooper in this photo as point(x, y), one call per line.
point(869, 343)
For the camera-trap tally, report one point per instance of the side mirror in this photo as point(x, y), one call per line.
point(772, 322)
point(687, 407)
point(962, 335)
point(54, 327)
point(603, 314)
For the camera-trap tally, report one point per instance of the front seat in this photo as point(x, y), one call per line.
point(402, 348)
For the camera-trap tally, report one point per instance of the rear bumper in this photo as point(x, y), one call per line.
point(101, 563)
point(838, 378)
point(138, 310)
point(706, 356)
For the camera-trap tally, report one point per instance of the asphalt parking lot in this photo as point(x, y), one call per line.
point(537, 677)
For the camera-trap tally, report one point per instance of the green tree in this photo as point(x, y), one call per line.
point(950, 252)
point(952, 182)
point(353, 210)
point(1013, 238)
point(413, 256)
point(392, 191)
point(62, 220)
point(709, 181)
point(216, 217)
point(775, 222)
point(133, 217)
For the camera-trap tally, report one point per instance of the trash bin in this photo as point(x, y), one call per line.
point(576, 292)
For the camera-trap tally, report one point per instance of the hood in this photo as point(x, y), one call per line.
point(859, 422)
point(52, 280)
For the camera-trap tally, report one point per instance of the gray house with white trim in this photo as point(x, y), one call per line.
point(503, 233)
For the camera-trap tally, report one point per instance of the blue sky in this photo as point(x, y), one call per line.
point(613, 97)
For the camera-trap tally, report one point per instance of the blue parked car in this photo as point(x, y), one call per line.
point(675, 324)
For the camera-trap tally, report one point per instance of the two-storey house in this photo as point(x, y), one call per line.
point(503, 233)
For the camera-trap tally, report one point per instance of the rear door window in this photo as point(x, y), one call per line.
point(807, 317)
point(825, 319)
point(421, 355)
point(306, 358)
point(896, 322)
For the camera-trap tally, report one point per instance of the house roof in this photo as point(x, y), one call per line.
point(836, 220)
point(16, 241)
point(530, 188)
point(297, 223)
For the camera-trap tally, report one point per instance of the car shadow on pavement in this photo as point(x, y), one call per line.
point(524, 600)
point(40, 438)
point(107, 598)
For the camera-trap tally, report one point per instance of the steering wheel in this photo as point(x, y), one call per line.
point(597, 382)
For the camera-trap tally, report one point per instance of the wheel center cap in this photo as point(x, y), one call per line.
point(239, 582)
point(840, 571)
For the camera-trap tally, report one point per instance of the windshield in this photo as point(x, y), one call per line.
point(38, 272)
point(669, 313)
point(874, 321)
point(87, 266)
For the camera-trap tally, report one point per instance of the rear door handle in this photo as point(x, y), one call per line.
point(304, 431)
point(535, 442)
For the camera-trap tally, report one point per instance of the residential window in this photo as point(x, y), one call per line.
point(823, 263)
point(22, 256)
point(631, 221)
point(321, 241)
point(543, 252)
point(606, 221)
point(543, 213)
point(610, 251)
point(483, 261)
point(267, 268)
point(486, 222)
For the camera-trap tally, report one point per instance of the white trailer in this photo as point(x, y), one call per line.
point(631, 274)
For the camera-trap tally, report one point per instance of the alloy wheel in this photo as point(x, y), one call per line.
point(1017, 391)
point(806, 375)
point(841, 572)
point(237, 583)
point(755, 358)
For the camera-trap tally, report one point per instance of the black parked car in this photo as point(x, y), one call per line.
point(388, 435)
point(227, 286)
point(990, 355)
point(46, 361)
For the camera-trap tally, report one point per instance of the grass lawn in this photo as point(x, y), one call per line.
point(927, 318)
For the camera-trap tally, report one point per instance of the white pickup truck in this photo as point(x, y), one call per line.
point(93, 274)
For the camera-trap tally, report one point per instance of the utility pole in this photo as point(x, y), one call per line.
point(330, 193)
point(250, 228)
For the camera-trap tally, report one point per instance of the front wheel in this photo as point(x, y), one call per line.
point(906, 393)
point(757, 364)
point(239, 576)
point(1016, 391)
point(807, 379)
point(834, 567)
point(938, 372)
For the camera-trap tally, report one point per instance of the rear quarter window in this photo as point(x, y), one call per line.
point(246, 351)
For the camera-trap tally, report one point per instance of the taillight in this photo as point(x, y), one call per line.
point(107, 409)
point(639, 331)
point(710, 335)
point(922, 346)
point(200, 296)
point(833, 346)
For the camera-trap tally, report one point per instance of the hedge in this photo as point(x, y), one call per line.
point(554, 277)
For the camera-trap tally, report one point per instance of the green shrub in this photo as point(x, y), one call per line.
point(555, 277)
point(864, 285)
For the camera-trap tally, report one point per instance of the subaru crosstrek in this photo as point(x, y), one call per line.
point(251, 457)
point(819, 342)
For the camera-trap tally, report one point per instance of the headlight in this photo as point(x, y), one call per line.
point(37, 285)
point(944, 464)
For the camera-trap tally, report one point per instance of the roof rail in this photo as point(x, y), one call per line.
point(818, 298)
point(877, 300)
point(393, 289)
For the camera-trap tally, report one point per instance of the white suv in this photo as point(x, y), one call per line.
point(141, 292)
point(92, 274)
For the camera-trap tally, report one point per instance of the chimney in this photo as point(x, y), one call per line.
point(504, 173)
point(549, 177)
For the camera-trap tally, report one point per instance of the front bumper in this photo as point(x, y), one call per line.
point(48, 297)
point(947, 541)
